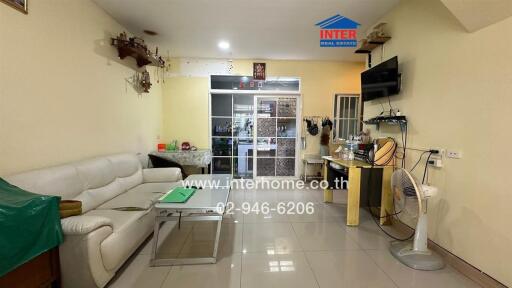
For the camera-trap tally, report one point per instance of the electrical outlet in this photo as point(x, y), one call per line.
point(436, 163)
point(454, 154)
point(439, 155)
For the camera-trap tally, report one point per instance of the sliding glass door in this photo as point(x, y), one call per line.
point(276, 136)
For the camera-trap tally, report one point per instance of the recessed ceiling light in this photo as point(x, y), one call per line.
point(224, 45)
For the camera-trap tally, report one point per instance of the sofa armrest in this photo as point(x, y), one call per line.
point(81, 225)
point(156, 175)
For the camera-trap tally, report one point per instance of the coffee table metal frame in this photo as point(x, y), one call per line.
point(202, 206)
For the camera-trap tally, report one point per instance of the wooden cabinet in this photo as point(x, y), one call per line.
point(42, 271)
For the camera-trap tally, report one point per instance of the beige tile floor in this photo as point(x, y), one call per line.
point(282, 251)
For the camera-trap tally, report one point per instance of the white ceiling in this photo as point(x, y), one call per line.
point(259, 29)
point(478, 14)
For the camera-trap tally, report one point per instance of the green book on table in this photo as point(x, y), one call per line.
point(178, 195)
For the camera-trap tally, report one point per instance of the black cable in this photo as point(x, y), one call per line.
point(426, 167)
point(404, 143)
point(419, 160)
point(395, 214)
point(405, 146)
point(377, 218)
point(391, 112)
point(383, 110)
point(428, 175)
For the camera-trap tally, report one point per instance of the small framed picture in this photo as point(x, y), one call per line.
point(259, 71)
point(20, 5)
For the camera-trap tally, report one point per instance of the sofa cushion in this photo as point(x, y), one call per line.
point(127, 199)
point(95, 173)
point(131, 228)
point(101, 183)
point(161, 175)
point(131, 181)
point(127, 168)
point(142, 196)
point(59, 181)
point(93, 198)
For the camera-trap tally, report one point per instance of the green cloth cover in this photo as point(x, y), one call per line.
point(178, 195)
point(29, 226)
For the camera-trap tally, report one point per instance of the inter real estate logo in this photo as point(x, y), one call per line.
point(338, 31)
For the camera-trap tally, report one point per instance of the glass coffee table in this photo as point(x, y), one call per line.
point(212, 191)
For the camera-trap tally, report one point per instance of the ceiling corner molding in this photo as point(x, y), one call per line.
point(201, 67)
point(478, 14)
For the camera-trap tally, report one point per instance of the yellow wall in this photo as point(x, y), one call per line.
point(185, 105)
point(457, 94)
point(63, 91)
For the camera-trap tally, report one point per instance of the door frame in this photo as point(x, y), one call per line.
point(296, 93)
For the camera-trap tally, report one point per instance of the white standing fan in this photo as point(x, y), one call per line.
point(407, 191)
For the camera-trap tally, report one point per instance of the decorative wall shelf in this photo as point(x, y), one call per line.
point(367, 45)
point(136, 48)
point(376, 38)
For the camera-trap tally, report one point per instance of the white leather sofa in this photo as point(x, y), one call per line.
point(100, 240)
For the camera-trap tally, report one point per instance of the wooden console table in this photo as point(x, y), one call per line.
point(354, 188)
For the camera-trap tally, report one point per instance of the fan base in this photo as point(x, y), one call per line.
point(419, 260)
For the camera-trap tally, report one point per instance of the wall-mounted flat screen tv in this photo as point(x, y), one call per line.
point(380, 81)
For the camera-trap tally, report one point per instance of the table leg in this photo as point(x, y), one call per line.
point(155, 241)
point(327, 192)
point(305, 171)
point(354, 194)
point(217, 238)
point(386, 205)
point(155, 261)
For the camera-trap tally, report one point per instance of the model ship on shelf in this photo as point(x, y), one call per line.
point(137, 48)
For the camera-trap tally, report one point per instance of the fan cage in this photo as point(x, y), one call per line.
point(405, 188)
